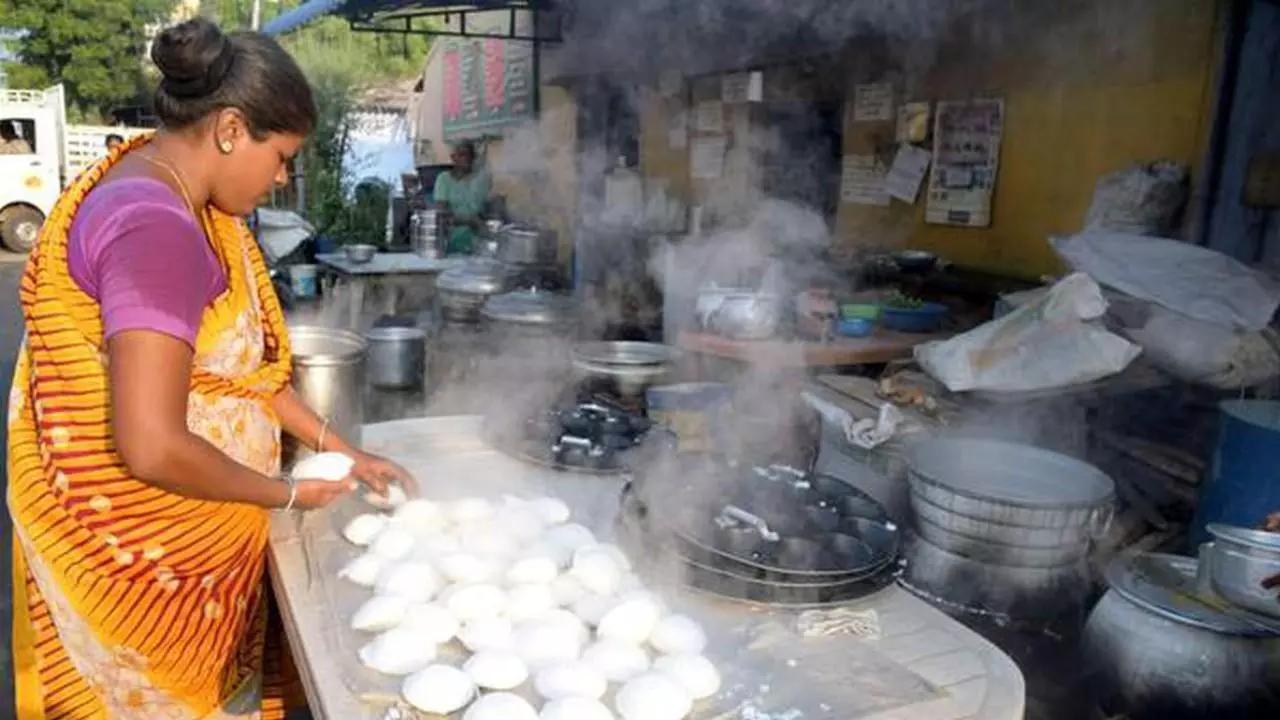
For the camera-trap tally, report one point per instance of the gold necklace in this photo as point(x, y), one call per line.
point(182, 186)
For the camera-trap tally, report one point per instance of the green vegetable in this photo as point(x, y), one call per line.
point(899, 300)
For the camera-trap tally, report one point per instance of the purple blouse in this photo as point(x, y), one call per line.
point(136, 249)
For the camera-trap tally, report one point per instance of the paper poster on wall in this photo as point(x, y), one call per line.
point(907, 173)
point(862, 181)
point(873, 102)
point(706, 158)
point(708, 116)
point(678, 130)
point(966, 155)
point(739, 88)
point(913, 123)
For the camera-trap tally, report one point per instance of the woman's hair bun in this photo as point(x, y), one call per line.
point(194, 57)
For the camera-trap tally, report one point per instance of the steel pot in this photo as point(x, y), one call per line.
point(464, 290)
point(1009, 494)
point(633, 366)
point(1032, 595)
point(526, 246)
point(1239, 561)
point(1156, 654)
point(397, 357)
point(329, 376)
point(740, 314)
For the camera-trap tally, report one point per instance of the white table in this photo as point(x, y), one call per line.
point(922, 665)
point(386, 269)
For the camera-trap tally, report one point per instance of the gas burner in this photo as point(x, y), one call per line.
point(586, 431)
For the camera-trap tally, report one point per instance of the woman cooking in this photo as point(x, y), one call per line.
point(147, 405)
point(463, 192)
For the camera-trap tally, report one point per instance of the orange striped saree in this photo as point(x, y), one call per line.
point(131, 602)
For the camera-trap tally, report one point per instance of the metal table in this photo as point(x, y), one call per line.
point(389, 270)
point(909, 662)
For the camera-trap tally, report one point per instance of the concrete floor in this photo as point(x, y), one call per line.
point(10, 339)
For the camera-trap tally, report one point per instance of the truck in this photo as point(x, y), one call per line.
point(52, 154)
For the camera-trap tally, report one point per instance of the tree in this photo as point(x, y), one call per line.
point(87, 45)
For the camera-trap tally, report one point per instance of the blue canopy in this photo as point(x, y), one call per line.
point(301, 15)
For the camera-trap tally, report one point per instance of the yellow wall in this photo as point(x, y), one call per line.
point(1088, 89)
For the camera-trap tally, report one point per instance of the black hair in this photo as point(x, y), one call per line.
point(112, 136)
point(205, 71)
point(7, 131)
point(467, 146)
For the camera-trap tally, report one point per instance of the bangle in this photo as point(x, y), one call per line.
point(293, 492)
point(324, 430)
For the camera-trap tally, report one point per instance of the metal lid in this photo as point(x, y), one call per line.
point(624, 353)
point(392, 333)
point(1166, 586)
point(1254, 539)
point(477, 277)
point(1010, 473)
point(531, 307)
point(313, 345)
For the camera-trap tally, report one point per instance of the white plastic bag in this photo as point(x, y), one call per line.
point(1047, 343)
point(1188, 279)
point(1206, 354)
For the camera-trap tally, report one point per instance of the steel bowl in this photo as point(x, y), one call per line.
point(915, 261)
point(1240, 560)
point(360, 254)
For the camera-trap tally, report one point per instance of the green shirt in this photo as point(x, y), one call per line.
point(465, 197)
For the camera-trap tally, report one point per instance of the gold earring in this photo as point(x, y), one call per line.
point(226, 147)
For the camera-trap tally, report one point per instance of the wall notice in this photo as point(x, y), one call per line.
point(708, 117)
point(862, 181)
point(966, 155)
point(873, 103)
point(706, 158)
point(906, 174)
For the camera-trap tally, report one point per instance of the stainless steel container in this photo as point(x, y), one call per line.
point(632, 366)
point(329, 375)
point(397, 357)
point(1007, 503)
point(1155, 653)
point(533, 324)
point(464, 290)
point(739, 314)
point(426, 228)
point(1239, 561)
point(518, 245)
point(1024, 596)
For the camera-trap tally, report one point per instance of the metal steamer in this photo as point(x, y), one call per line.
point(632, 367)
point(770, 535)
point(463, 291)
point(1003, 529)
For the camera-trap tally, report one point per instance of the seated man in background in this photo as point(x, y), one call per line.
point(463, 192)
point(114, 141)
point(10, 143)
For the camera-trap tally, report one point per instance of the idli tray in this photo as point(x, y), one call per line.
point(771, 524)
point(637, 534)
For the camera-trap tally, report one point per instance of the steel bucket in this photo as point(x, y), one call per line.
point(329, 375)
point(397, 357)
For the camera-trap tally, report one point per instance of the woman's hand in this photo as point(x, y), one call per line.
point(1272, 523)
point(378, 472)
point(315, 494)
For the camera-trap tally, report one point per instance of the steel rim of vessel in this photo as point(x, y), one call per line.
point(626, 353)
point(1181, 565)
point(1030, 532)
point(1256, 540)
point(931, 533)
point(915, 472)
point(357, 346)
